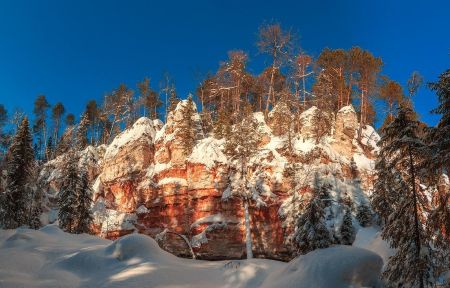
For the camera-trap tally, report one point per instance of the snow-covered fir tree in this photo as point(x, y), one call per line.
point(311, 232)
point(20, 164)
point(439, 140)
point(83, 204)
point(404, 228)
point(347, 231)
point(68, 198)
point(75, 215)
point(188, 126)
point(364, 215)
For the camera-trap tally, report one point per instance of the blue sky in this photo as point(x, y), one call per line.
point(73, 51)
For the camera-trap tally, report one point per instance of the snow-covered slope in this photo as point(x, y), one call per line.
point(51, 258)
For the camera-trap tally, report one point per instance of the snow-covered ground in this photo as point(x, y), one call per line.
point(52, 258)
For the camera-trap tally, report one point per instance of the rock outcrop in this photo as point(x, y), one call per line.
point(144, 182)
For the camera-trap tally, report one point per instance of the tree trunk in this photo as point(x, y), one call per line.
point(416, 212)
point(248, 233)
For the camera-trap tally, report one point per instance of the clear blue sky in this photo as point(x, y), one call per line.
point(74, 51)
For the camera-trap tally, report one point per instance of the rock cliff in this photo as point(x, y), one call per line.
point(143, 182)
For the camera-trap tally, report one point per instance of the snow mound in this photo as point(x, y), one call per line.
point(338, 266)
point(138, 246)
point(142, 128)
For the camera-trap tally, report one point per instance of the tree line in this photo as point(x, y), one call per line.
point(294, 79)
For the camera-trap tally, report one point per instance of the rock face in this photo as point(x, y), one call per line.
point(146, 183)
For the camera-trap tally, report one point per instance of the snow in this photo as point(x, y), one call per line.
point(51, 258)
point(347, 109)
point(215, 218)
point(208, 152)
point(370, 238)
point(304, 145)
point(110, 219)
point(363, 163)
point(142, 128)
point(338, 266)
point(370, 137)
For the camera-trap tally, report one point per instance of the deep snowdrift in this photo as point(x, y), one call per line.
point(52, 258)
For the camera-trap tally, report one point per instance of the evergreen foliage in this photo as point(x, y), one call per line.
point(347, 231)
point(20, 164)
point(364, 215)
point(311, 232)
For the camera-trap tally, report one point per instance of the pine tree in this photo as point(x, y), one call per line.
point(40, 123)
point(347, 231)
point(222, 126)
point(404, 151)
point(82, 139)
point(173, 100)
point(188, 126)
point(311, 232)
point(149, 98)
point(68, 202)
point(57, 113)
point(20, 161)
point(83, 207)
point(364, 215)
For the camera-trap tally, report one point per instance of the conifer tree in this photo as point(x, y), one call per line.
point(70, 119)
point(68, 200)
point(347, 231)
point(3, 136)
point(222, 126)
point(36, 200)
point(387, 181)
point(311, 232)
point(94, 116)
point(83, 207)
point(149, 98)
point(437, 164)
point(20, 161)
point(404, 230)
point(392, 93)
point(49, 152)
point(440, 139)
point(40, 123)
point(188, 126)
point(240, 146)
point(57, 113)
point(364, 215)
point(173, 100)
point(82, 139)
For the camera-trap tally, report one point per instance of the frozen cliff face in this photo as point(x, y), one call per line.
point(146, 183)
